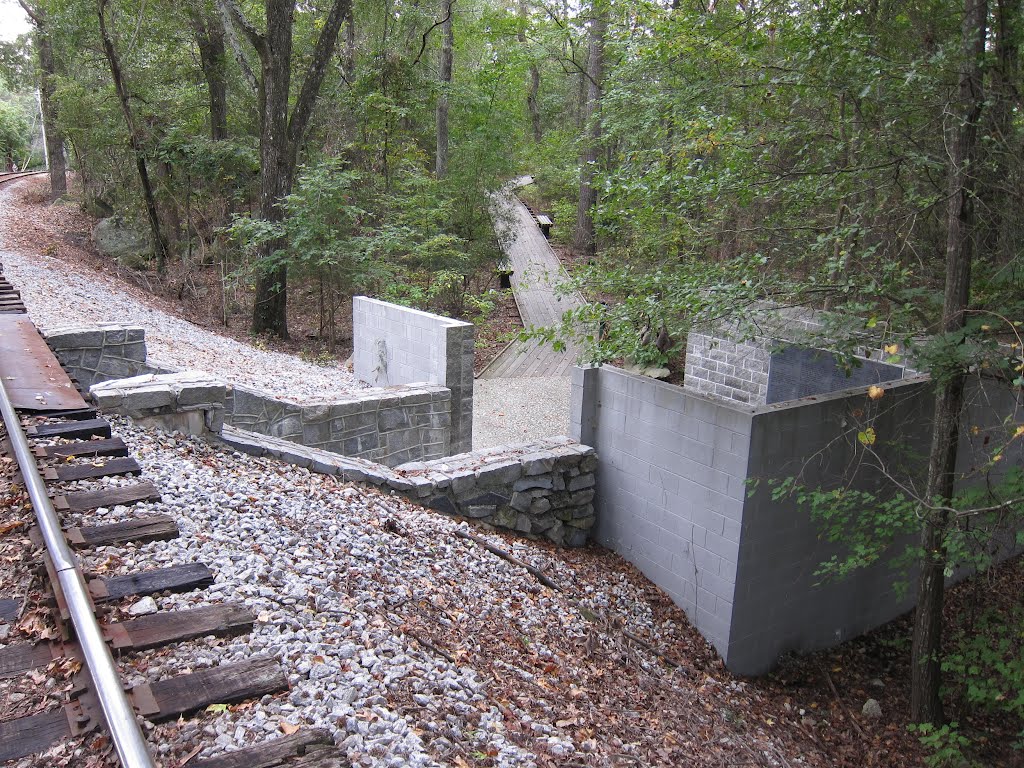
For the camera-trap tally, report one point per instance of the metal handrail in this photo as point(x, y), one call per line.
point(117, 710)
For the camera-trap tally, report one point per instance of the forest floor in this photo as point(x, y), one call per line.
point(685, 708)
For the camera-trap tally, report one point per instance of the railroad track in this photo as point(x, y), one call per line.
point(15, 175)
point(66, 440)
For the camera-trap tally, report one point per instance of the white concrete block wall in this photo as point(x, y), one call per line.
point(670, 486)
point(395, 345)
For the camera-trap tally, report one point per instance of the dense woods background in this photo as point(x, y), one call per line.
point(857, 156)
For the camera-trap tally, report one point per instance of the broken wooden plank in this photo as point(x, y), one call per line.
point(83, 501)
point(16, 660)
point(176, 626)
point(176, 578)
point(125, 465)
point(312, 748)
point(226, 684)
point(111, 446)
point(74, 430)
point(138, 529)
point(35, 733)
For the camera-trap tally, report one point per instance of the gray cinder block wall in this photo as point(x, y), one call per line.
point(672, 497)
point(670, 486)
point(398, 345)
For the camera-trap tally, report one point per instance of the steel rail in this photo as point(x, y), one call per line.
point(117, 710)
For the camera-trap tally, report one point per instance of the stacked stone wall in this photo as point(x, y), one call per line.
point(101, 352)
point(544, 489)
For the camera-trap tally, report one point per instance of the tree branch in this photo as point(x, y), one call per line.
point(232, 13)
point(426, 34)
point(236, 48)
point(317, 69)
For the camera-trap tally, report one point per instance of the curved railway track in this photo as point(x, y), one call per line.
point(9, 176)
point(40, 404)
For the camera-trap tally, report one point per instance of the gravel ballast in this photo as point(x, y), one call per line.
point(380, 615)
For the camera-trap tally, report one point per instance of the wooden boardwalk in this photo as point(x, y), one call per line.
point(536, 275)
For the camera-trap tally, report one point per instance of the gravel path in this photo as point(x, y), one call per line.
point(59, 295)
point(514, 410)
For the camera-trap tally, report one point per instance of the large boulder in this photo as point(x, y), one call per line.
point(115, 238)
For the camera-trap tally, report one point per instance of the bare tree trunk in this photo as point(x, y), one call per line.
point(583, 235)
point(53, 136)
point(532, 105)
point(925, 702)
point(209, 34)
point(159, 243)
point(445, 80)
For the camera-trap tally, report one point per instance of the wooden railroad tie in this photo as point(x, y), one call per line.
point(137, 529)
point(84, 501)
point(157, 702)
point(78, 414)
point(124, 465)
point(78, 429)
point(176, 578)
point(139, 634)
point(312, 748)
point(111, 446)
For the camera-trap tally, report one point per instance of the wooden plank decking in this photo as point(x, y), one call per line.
point(536, 276)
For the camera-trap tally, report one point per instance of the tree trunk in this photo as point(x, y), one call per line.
point(533, 89)
point(159, 243)
point(54, 135)
point(445, 81)
point(925, 703)
point(583, 235)
point(209, 34)
point(281, 135)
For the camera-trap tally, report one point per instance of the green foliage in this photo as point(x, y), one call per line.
point(14, 131)
point(946, 744)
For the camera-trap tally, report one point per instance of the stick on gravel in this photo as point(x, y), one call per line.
point(537, 572)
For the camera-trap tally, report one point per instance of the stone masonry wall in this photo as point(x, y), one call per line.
point(393, 345)
point(190, 402)
point(101, 352)
point(390, 426)
point(543, 489)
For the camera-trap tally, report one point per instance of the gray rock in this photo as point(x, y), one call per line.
point(143, 607)
point(129, 246)
point(871, 709)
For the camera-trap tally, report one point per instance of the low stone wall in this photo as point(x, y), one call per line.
point(543, 489)
point(101, 352)
point(389, 426)
point(191, 401)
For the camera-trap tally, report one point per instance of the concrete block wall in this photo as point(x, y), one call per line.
point(728, 369)
point(389, 426)
point(97, 353)
point(542, 489)
point(670, 486)
point(399, 345)
point(675, 496)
